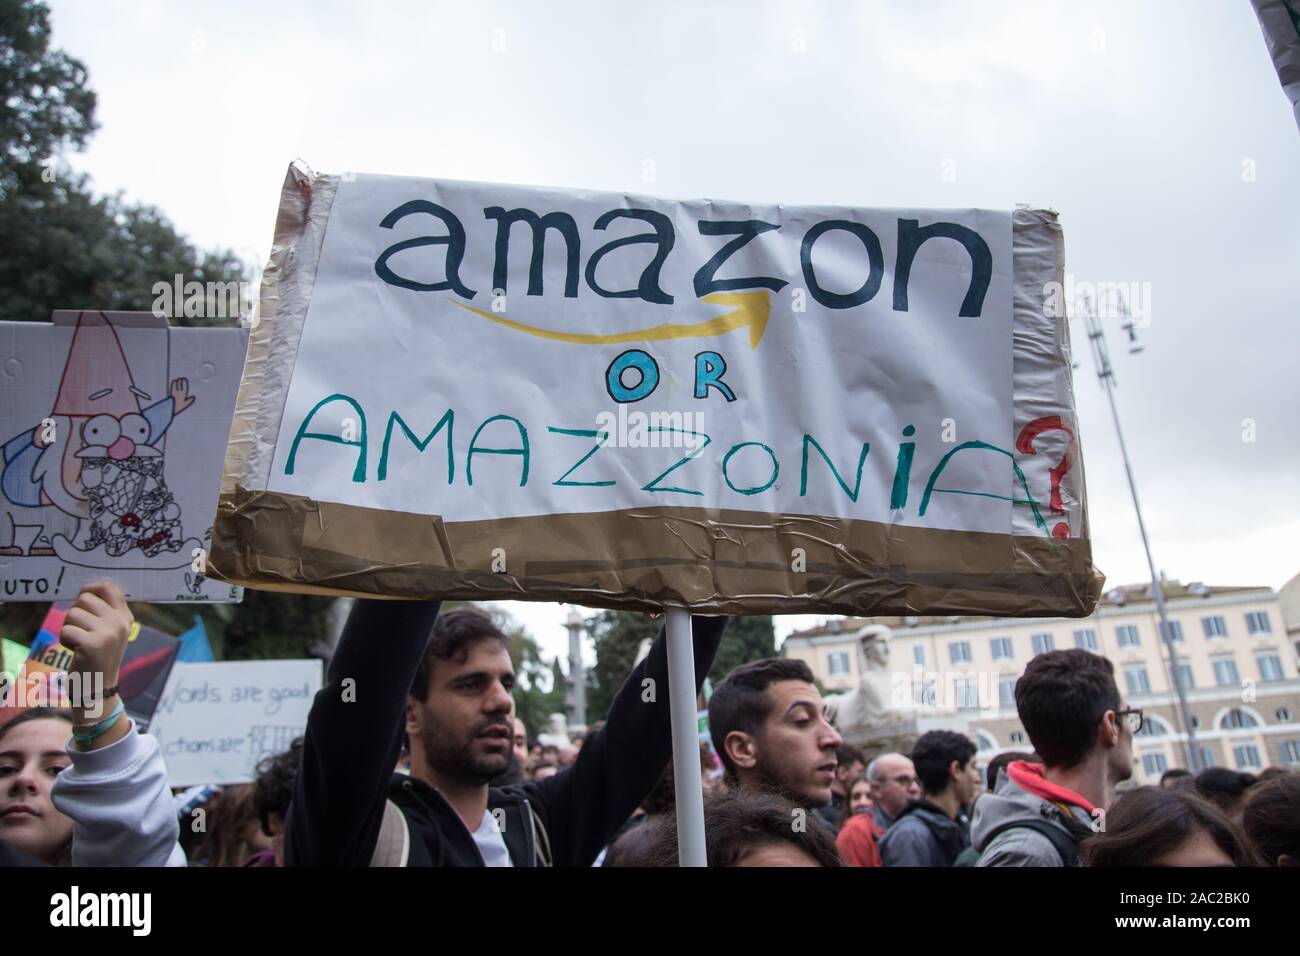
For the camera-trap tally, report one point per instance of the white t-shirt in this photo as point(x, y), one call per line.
point(490, 842)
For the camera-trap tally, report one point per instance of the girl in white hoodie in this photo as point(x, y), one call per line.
point(79, 785)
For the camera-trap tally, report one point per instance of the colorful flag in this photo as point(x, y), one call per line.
point(145, 667)
point(195, 648)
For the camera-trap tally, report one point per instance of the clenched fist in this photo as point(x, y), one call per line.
point(96, 630)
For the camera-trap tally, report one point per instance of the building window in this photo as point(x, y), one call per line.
point(1257, 623)
point(1153, 765)
point(1175, 632)
point(918, 655)
point(1002, 648)
point(1043, 643)
point(1017, 737)
point(1291, 753)
point(1135, 675)
point(968, 694)
point(1270, 667)
point(925, 693)
point(1185, 680)
point(1245, 755)
point(1283, 714)
point(1225, 671)
point(1236, 719)
point(1128, 635)
point(1086, 639)
point(839, 662)
point(1215, 626)
point(959, 652)
point(1007, 692)
point(1207, 757)
point(1153, 727)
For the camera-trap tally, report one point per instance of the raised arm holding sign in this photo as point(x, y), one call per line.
point(350, 808)
point(109, 804)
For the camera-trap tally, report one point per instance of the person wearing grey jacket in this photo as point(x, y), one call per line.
point(1071, 709)
point(933, 831)
point(1029, 821)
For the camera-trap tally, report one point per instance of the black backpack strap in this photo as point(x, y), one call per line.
point(541, 839)
point(1063, 842)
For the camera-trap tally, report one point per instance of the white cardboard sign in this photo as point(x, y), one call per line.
point(816, 357)
point(113, 427)
point(480, 390)
point(216, 720)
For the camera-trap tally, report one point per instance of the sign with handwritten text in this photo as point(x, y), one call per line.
point(485, 391)
point(215, 721)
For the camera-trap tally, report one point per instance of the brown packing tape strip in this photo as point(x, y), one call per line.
point(692, 556)
point(287, 284)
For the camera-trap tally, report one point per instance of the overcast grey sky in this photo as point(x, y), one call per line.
point(1158, 130)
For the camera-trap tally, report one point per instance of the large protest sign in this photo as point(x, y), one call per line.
point(113, 428)
point(217, 720)
point(481, 391)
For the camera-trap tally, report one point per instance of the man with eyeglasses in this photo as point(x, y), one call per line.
point(893, 783)
point(1071, 709)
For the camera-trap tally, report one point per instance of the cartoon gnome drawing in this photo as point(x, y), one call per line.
point(88, 484)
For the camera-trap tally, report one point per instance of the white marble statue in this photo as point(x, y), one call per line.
point(867, 704)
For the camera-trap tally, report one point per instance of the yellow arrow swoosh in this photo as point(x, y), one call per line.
point(747, 309)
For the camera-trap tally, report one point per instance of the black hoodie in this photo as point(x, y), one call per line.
point(354, 735)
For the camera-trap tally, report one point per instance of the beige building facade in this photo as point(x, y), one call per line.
point(1234, 654)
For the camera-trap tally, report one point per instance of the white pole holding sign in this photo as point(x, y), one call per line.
point(686, 740)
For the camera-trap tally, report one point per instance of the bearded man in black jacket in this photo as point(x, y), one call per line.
point(446, 683)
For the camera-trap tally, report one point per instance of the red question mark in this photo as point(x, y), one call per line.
point(1025, 445)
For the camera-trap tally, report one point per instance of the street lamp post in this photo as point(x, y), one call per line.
point(1105, 372)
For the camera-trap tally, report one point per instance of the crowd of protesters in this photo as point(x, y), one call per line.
point(415, 757)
